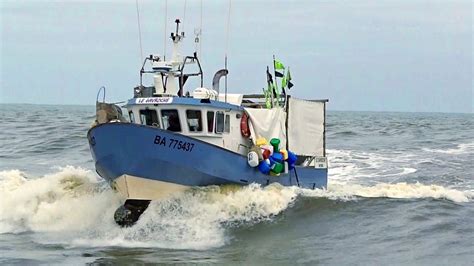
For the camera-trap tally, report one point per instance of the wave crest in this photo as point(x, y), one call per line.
point(54, 202)
point(463, 148)
point(73, 208)
point(403, 190)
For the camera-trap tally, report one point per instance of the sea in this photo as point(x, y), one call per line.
point(400, 192)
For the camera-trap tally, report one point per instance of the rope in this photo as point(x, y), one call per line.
point(139, 32)
point(184, 15)
point(228, 29)
point(166, 30)
point(200, 39)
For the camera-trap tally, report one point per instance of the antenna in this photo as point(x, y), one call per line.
point(165, 31)
point(177, 21)
point(227, 47)
point(176, 36)
point(139, 32)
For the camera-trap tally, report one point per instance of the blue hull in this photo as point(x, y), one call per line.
point(155, 154)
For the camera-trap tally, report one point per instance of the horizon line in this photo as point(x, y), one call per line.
point(329, 109)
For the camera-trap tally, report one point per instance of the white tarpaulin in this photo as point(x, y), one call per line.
point(268, 123)
point(306, 127)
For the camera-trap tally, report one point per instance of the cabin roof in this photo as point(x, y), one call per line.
point(174, 100)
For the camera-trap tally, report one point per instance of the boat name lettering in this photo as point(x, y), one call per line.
point(174, 143)
point(154, 100)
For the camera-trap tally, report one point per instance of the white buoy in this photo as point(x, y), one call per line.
point(252, 159)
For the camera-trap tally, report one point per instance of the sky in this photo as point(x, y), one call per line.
point(413, 56)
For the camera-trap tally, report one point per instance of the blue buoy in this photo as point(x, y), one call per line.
point(264, 167)
point(277, 157)
point(292, 158)
point(271, 161)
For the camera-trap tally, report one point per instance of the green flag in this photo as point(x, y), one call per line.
point(276, 89)
point(276, 93)
point(268, 99)
point(279, 65)
point(283, 82)
point(271, 88)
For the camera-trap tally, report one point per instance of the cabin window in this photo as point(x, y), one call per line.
point(210, 121)
point(219, 122)
point(193, 117)
point(227, 124)
point(170, 120)
point(132, 118)
point(149, 118)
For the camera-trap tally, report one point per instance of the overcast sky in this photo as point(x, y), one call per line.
point(362, 55)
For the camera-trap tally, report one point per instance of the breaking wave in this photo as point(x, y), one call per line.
point(74, 208)
point(69, 198)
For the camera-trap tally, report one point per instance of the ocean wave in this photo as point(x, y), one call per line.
point(345, 133)
point(351, 165)
point(198, 218)
point(73, 208)
point(463, 148)
point(71, 198)
point(402, 190)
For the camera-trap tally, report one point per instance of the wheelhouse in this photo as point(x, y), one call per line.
point(208, 120)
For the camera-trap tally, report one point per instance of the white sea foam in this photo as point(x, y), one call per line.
point(197, 219)
point(401, 190)
point(70, 207)
point(349, 165)
point(65, 200)
point(463, 148)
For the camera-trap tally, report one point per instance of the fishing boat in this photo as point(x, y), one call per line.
point(170, 138)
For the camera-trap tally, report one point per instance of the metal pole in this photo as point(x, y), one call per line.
point(225, 96)
point(276, 84)
point(139, 32)
point(227, 48)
